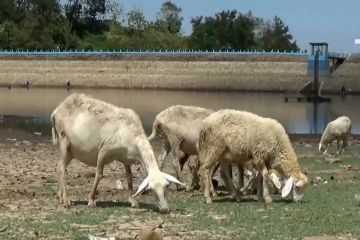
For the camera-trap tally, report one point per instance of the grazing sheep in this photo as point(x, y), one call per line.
point(97, 133)
point(339, 130)
point(230, 136)
point(179, 126)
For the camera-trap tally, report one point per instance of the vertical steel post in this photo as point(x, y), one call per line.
point(316, 76)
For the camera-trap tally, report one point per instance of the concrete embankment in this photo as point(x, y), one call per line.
point(178, 72)
point(347, 75)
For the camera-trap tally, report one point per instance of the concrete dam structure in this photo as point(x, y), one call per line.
point(272, 72)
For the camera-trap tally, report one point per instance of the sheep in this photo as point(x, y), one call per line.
point(97, 133)
point(230, 136)
point(179, 126)
point(339, 130)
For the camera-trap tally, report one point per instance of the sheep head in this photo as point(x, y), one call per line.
point(158, 183)
point(297, 186)
point(323, 147)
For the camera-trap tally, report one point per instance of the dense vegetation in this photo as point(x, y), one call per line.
point(103, 24)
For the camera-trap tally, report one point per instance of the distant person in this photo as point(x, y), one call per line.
point(27, 84)
point(343, 91)
point(68, 84)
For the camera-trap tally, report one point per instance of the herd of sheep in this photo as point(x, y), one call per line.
point(97, 133)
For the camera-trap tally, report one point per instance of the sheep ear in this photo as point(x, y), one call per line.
point(287, 188)
point(170, 178)
point(142, 186)
point(300, 183)
point(274, 178)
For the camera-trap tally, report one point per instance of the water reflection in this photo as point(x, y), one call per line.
point(32, 108)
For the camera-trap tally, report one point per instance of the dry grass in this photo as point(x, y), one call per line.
point(264, 76)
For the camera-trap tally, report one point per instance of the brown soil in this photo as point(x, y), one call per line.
point(28, 168)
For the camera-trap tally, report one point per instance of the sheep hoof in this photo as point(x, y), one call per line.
point(92, 204)
point(237, 198)
point(214, 193)
point(208, 201)
point(268, 200)
point(59, 196)
point(134, 203)
point(66, 203)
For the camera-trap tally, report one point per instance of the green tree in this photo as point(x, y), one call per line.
point(8, 31)
point(276, 36)
point(73, 11)
point(7, 10)
point(94, 8)
point(227, 30)
point(114, 10)
point(169, 19)
point(45, 9)
point(136, 20)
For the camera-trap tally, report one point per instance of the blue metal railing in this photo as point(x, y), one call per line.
point(339, 55)
point(145, 52)
point(161, 52)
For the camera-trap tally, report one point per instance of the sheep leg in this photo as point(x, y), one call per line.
point(212, 188)
point(249, 184)
point(226, 176)
point(345, 143)
point(327, 148)
point(265, 188)
point(338, 150)
point(134, 203)
point(164, 154)
point(259, 188)
point(98, 176)
point(240, 177)
point(194, 165)
point(206, 169)
point(129, 176)
point(209, 188)
point(183, 160)
point(176, 163)
point(65, 159)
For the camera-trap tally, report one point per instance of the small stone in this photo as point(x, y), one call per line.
point(119, 185)
point(37, 134)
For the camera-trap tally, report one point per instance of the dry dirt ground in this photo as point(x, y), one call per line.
point(29, 209)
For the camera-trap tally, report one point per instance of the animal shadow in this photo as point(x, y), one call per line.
point(112, 204)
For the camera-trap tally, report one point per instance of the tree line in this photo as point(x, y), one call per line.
point(104, 25)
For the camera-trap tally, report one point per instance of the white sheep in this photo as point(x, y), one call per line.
point(179, 127)
point(339, 130)
point(230, 136)
point(97, 133)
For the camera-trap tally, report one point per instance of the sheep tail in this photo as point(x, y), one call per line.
point(155, 127)
point(54, 133)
